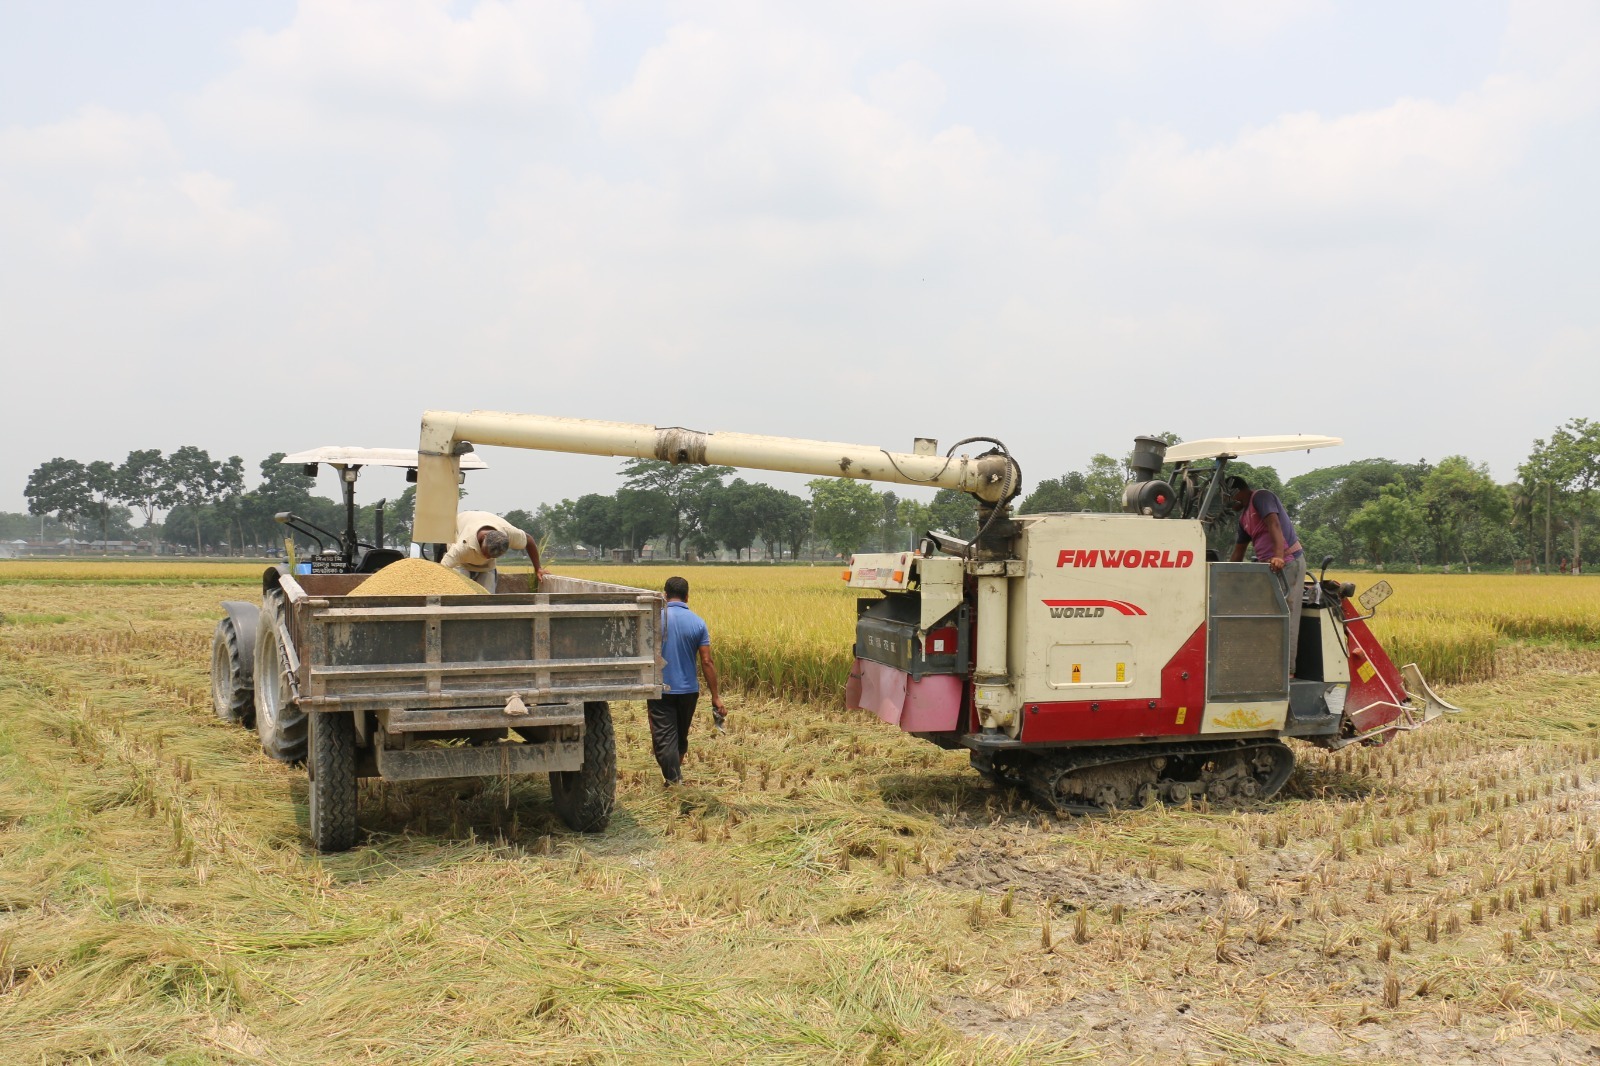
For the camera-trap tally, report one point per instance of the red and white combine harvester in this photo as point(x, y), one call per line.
point(1097, 660)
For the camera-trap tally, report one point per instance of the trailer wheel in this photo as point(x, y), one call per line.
point(584, 798)
point(280, 723)
point(331, 764)
point(232, 696)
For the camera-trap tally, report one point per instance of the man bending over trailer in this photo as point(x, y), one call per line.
point(1264, 522)
point(481, 538)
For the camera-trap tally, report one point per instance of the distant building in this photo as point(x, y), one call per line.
point(72, 546)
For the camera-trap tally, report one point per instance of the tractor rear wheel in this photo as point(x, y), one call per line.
point(584, 798)
point(331, 764)
point(280, 723)
point(232, 696)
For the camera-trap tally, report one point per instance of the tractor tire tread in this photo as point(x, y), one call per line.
point(331, 763)
point(584, 798)
point(232, 698)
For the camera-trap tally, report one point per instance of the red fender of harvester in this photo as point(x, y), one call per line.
point(1376, 690)
point(1176, 713)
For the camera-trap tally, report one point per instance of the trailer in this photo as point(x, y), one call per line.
point(409, 688)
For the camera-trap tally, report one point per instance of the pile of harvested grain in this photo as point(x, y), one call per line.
point(418, 577)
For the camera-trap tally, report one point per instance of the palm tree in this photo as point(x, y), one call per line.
point(1523, 504)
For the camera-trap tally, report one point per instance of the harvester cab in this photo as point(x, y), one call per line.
point(345, 552)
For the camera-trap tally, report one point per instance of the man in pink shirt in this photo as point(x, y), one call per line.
point(1264, 523)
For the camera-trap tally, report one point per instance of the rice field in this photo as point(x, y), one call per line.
point(790, 632)
point(824, 889)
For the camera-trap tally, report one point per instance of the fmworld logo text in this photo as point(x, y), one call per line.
point(1092, 608)
point(1126, 559)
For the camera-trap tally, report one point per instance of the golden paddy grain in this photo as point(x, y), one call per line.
point(418, 577)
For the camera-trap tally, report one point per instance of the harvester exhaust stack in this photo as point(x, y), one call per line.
point(1144, 494)
point(1149, 453)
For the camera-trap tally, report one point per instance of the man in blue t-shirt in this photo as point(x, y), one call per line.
point(1265, 524)
point(685, 641)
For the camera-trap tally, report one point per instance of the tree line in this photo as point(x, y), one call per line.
point(696, 510)
point(687, 510)
point(204, 499)
point(1377, 512)
point(1384, 513)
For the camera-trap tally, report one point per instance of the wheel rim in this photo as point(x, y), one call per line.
point(221, 678)
point(272, 691)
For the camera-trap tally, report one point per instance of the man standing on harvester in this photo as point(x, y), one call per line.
point(685, 643)
point(1264, 523)
point(481, 538)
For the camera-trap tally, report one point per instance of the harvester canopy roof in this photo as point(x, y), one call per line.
point(335, 455)
point(1233, 447)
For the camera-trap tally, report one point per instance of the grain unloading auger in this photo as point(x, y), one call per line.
point(1097, 660)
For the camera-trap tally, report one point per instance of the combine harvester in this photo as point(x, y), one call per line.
point(1097, 660)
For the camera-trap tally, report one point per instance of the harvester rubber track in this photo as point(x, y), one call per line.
point(1098, 780)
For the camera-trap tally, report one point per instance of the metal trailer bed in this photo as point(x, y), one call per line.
point(415, 687)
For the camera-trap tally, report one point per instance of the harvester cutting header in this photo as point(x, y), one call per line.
point(1097, 660)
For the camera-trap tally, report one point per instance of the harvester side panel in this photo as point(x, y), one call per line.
point(1108, 601)
point(1176, 713)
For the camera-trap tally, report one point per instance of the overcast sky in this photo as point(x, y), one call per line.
point(259, 226)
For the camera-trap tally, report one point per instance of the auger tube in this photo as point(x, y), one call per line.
point(991, 478)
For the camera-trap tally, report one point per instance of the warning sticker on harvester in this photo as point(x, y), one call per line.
point(1366, 671)
point(1077, 673)
point(1183, 712)
point(1122, 671)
